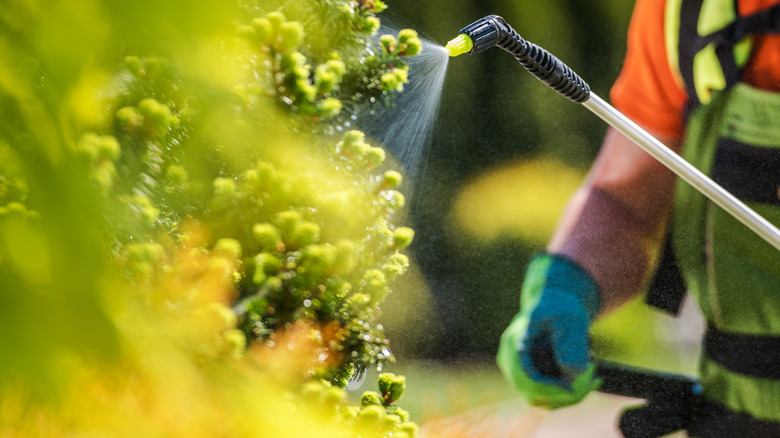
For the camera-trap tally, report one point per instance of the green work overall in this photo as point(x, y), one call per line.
point(732, 135)
point(733, 274)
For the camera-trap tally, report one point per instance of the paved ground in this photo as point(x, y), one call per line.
point(596, 417)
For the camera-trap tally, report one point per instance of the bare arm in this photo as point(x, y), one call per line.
point(615, 223)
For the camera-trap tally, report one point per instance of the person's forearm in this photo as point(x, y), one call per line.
point(604, 237)
point(615, 224)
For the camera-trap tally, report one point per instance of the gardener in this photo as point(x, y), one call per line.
point(716, 100)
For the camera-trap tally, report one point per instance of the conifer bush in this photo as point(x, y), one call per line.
point(216, 223)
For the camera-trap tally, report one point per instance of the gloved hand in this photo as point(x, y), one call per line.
point(558, 301)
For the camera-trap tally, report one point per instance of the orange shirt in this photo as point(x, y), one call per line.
point(646, 90)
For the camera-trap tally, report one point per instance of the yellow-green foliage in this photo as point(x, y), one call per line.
point(177, 245)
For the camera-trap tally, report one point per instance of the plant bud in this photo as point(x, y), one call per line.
point(409, 43)
point(224, 186)
point(318, 259)
point(357, 303)
point(337, 66)
point(287, 221)
point(325, 79)
point(277, 19)
point(265, 264)
point(413, 47)
point(104, 174)
point(374, 284)
point(267, 236)
point(100, 147)
point(371, 398)
point(334, 396)
point(352, 137)
point(290, 61)
point(389, 82)
point(135, 65)
point(370, 25)
point(396, 265)
point(353, 144)
point(405, 35)
point(262, 29)
point(371, 415)
point(291, 36)
point(379, 6)
point(402, 237)
point(129, 118)
point(410, 429)
point(393, 200)
point(403, 414)
point(230, 248)
point(388, 43)
point(402, 74)
point(305, 91)
point(157, 115)
point(391, 386)
point(304, 234)
point(390, 422)
point(144, 252)
point(392, 179)
point(375, 157)
point(267, 172)
point(143, 207)
point(329, 107)
point(175, 175)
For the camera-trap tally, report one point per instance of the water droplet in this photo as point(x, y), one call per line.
point(306, 303)
point(379, 367)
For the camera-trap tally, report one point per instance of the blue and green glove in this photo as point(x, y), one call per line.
point(558, 301)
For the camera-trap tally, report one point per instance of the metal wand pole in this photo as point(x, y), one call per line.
point(493, 31)
point(693, 176)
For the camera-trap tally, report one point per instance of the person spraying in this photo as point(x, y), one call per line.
point(704, 78)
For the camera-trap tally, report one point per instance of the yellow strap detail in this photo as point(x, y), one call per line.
point(672, 38)
point(707, 73)
point(715, 15)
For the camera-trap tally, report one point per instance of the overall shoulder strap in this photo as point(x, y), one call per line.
point(712, 43)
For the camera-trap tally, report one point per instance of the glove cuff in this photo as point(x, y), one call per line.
point(547, 270)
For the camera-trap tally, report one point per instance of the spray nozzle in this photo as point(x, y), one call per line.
point(494, 31)
point(459, 45)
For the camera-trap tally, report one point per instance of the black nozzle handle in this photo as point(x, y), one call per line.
point(494, 31)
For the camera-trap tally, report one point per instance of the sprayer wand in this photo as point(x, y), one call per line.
point(494, 31)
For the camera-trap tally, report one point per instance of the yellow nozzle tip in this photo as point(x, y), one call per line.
point(459, 45)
